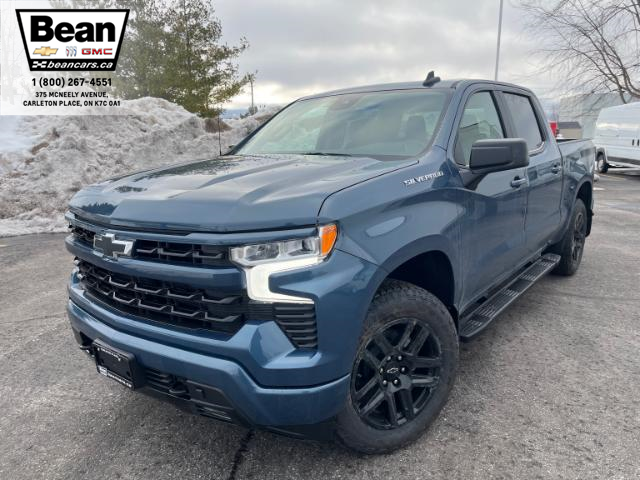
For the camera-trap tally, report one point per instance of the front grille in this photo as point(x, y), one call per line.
point(196, 308)
point(172, 303)
point(193, 254)
point(183, 305)
point(83, 235)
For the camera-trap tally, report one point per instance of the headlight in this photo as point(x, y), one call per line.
point(317, 248)
point(261, 260)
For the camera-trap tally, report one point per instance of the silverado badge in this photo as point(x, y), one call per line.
point(423, 178)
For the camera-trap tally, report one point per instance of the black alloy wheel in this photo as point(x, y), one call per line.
point(579, 236)
point(403, 369)
point(571, 247)
point(396, 374)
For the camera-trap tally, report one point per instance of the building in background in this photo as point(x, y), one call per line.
point(584, 109)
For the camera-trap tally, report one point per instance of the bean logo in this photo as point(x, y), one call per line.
point(96, 35)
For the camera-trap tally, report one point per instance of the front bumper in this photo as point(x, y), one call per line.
point(267, 381)
point(226, 385)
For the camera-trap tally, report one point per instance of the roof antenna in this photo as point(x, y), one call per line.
point(431, 79)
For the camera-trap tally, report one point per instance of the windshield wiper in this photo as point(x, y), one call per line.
point(327, 154)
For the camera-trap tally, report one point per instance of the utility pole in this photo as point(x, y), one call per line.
point(252, 77)
point(495, 77)
point(252, 104)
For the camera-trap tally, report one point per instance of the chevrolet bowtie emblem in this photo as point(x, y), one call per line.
point(108, 246)
point(45, 51)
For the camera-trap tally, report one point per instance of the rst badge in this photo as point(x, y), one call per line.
point(72, 40)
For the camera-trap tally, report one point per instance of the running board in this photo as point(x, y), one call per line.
point(476, 321)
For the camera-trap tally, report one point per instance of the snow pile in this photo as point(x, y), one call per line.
point(10, 139)
point(45, 160)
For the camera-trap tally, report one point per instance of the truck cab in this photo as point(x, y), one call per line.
point(317, 279)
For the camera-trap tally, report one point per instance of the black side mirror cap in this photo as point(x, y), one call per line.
point(496, 155)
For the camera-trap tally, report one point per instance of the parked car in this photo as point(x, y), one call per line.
point(316, 281)
point(617, 137)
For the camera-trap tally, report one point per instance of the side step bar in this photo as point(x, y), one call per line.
point(476, 321)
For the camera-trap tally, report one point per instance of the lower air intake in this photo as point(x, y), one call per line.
point(298, 321)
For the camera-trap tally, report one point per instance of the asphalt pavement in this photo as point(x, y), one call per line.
point(551, 390)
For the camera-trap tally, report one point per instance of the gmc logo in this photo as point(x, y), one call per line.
point(97, 51)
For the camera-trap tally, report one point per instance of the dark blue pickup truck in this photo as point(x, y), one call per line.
point(317, 279)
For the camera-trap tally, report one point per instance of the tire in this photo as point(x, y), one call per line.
point(407, 356)
point(571, 247)
point(601, 164)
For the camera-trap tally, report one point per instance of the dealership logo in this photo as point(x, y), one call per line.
point(97, 35)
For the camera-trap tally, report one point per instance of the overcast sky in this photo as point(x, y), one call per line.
point(305, 46)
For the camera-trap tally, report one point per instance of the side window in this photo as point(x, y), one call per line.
point(524, 119)
point(480, 121)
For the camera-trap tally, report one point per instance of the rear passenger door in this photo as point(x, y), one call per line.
point(545, 168)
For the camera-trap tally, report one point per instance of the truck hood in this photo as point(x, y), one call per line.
point(227, 194)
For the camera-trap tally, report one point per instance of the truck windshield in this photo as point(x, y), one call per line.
point(398, 123)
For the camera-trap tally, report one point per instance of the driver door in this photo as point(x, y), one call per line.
point(492, 232)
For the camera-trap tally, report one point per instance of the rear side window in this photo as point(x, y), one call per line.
point(524, 119)
point(480, 121)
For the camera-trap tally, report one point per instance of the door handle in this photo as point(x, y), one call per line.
point(518, 182)
point(556, 168)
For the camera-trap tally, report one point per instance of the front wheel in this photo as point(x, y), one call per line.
point(403, 371)
point(571, 247)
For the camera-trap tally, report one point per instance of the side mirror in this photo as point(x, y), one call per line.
point(496, 155)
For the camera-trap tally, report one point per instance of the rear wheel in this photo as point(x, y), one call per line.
point(403, 372)
point(601, 164)
point(571, 247)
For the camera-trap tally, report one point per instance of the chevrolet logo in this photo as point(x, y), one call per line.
point(45, 51)
point(110, 247)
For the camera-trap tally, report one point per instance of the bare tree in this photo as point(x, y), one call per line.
point(593, 45)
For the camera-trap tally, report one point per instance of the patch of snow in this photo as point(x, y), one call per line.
point(10, 138)
point(14, 142)
point(55, 156)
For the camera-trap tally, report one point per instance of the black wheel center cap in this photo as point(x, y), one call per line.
point(395, 373)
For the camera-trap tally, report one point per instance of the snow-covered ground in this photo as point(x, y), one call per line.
point(10, 139)
point(45, 160)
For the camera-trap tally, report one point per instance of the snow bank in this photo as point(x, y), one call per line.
point(10, 139)
point(45, 160)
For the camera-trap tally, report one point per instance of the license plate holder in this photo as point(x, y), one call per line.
point(117, 365)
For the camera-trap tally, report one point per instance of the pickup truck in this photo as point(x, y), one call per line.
point(317, 279)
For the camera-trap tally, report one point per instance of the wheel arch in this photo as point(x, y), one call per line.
point(433, 272)
point(429, 264)
point(585, 193)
